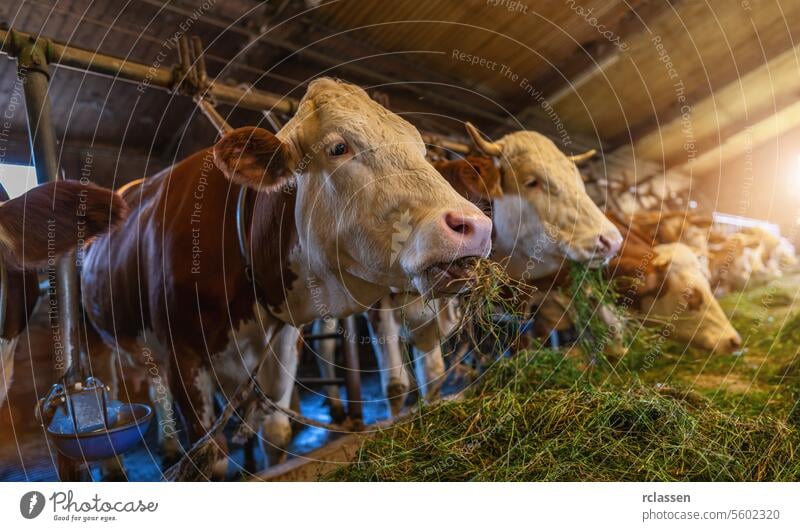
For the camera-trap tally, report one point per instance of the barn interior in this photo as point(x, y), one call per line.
point(691, 108)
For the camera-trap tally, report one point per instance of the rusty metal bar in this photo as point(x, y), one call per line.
point(352, 371)
point(164, 78)
point(33, 70)
point(167, 79)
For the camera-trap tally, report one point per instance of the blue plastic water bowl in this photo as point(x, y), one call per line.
point(127, 426)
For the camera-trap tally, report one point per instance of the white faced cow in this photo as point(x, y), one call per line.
point(170, 286)
point(664, 285)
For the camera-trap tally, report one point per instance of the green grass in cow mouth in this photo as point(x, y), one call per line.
point(681, 415)
point(490, 292)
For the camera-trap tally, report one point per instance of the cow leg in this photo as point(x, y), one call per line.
point(193, 388)
point(384, 328)
point(277, 379)
point(428, 360)
point(429, 324)
point(429, 365)
point(7, 348)
point(166, 418)
point(325, 350)
point(104, 367)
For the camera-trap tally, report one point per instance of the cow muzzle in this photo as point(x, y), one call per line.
point(598, 249)
point(446, 250)
point(728, 343)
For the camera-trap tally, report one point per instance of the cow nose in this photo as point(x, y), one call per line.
point(735, 342)
point(608, 245)
point(472, 232)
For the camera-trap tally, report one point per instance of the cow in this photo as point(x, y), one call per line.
point(662, 284)
point(735, 261)
point(542, 216)
point(777, 253)
point(36, 228)
point(170, 286)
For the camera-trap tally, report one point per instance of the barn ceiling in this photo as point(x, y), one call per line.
point(679, 80)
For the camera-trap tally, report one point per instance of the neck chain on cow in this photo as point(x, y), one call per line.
point(244, 246)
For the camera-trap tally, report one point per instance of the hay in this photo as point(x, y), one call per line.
point(552, 424)
point(491, 292)
point(673, 414)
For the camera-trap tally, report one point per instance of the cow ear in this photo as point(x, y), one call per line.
point(694, 299)
point(254, 157)
point(476, 177)
point(486, 176)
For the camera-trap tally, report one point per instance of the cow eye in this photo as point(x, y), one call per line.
point(338, 149)
point(533, 183)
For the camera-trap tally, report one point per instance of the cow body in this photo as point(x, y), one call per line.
point(171, 284)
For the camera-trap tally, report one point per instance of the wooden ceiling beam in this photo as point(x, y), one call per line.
point(712, 161)
point(749, 100)
point(686, 54)
point(595, 55)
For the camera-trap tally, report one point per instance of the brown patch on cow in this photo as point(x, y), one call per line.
point(254, 157)
point(475, 178)
point(174, 266)
point(23, 292)
point(52, 219)
point(273, 237)
point(633, 269)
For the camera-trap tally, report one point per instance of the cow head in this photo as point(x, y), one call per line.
point(369, 207)
point(545, 214)
point(685, 303)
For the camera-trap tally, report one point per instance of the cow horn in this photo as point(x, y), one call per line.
point(487, 148)
point(583, 157)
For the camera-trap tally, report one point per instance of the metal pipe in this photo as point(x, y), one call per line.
point(352, 371)
point(164, 78)
point(33, 70)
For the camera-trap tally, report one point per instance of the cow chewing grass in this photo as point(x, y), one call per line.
point(491, 291)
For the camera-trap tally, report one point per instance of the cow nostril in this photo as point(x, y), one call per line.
point(603, 245)
point(736, 343)
point(458, 223)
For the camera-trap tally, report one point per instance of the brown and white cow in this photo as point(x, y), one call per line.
point(735, 261)
point(776, 252)
point(36, 228)
point(171, 287)
point(542, 216)
point(664, 285)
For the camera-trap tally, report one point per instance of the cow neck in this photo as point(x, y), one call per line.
point(267, 218)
